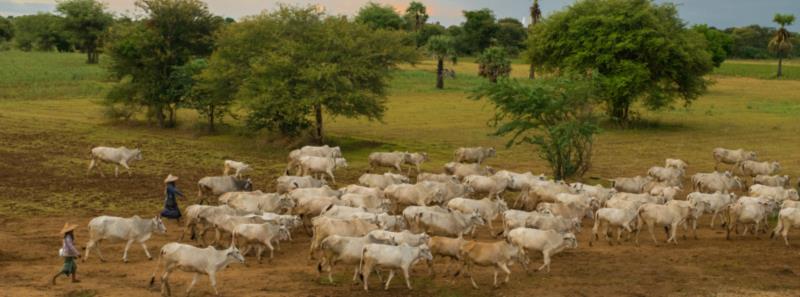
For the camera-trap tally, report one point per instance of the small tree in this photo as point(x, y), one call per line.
point(378, 16)
point(781, 42)
point(494, 63)
point(555, 115)
point(86, 21)
point(719, 43)
point(441, 47)
point(479, 30)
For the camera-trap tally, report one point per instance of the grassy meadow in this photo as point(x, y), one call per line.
point(50, 119)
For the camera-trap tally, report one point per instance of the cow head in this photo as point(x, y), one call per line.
point(570, 240)
point(424, 239)
point(425, 252)
point(776, 166)
point(234, 255)
point(491, 152)
point(137, 154)
point(750, 156)
point(159, 225)
point(792, 194)
point(286, 202)
point(283, 233)
point(502, 206)
point(248, 185)
point(476, 219)
point(340, 163)
point(337, 152)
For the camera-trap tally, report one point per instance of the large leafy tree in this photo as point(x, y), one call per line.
point(640, 51)
point(781, 42)
point(416, 15)
point(293, 65)
point(379, 16)
point(6, 29)
point(510, 35)
point(750, 42)
point(494, 63)
point(144, 54)
point(479, 30)
point(41, 31)
point(719, 43)
point(86, 21)
point(441, 47)
point(555, 115)
point(428, 30)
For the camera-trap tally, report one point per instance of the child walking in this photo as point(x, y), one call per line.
point(69, 253)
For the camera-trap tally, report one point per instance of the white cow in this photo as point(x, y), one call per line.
point(257, 201)
point(669, 215)
point(732, 157)
point(463, 170)
point(665, 173)
point(236, 166)
point(316, 151)
point(748, 210)
point(391, 160)
point(434, 177)
point(325, 226)
point(666, 192)
point(218, 185)
point(631, 184)
point(612, 217)
point(599, 192)
point(716, 202)
point(188, 258)
point(416, 159)
point(753, 168)
point(392, 257)
point(373, 193)
point(716, 182)
point(117, 156)
point(787, 218)
point(772, 180)
point(779, 194)
point(473, 154)
point(127, 229)
point(343, 249)
point(260, 235)
point(403, 237)
point(420, 194)
point(498, 254)
point(513, 218)
point(382, 181)
point(676, 163)
point(447, 224)
point(493, 185)
point(287, 183)
point(488, 208)
point(311, 165)
point(548, 242)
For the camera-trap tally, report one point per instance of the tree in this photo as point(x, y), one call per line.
point(719, 43)
point(479, 30)
point(510, 35)
point(204, 90)
point(292, 63)
point(144, 54)
point(555, 115)
point(536, 17)
point(494, 63)
point(781, 42)
point(416, 15)
point(441, 47)
point(378, 16)
point(750, 42)
point(6, 29)
point(41, 31)
point(86, 21)
point(640, 51)
point(428, 30)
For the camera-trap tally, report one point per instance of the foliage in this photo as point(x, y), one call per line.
point(416, 15)
point(750, 42)
point(202, 90)
point(479, 30)
point(86, 21)
point(41, 31)
point(781, 42)
point(555, 115)
point(511, 35)
point(494, 63)
point(293, 62)
point(720, 44)
point(428, 30)
point(641, 50)
point(144, 54)
point(6, 29)
point(441, 47)
point(378, 16)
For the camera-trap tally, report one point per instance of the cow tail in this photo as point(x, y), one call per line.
point(158, 265)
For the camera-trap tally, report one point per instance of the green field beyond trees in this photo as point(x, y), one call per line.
point(50, 116)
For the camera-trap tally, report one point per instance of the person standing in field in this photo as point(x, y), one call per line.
point(171, 209)
point(69, 253)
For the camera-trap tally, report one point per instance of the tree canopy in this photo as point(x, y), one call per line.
point(511, 35)
point(378, 16)
point(478, 30)
point(781, 42)
point(720, 45)
point(6, 29)
point(441, 47)
point(641, 51)
point(494, 63)
point(41, 31)
point(295, 62)
point(144, 54)
point(416, 15)
point(86, 21)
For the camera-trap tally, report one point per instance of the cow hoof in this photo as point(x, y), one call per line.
point(149, 258)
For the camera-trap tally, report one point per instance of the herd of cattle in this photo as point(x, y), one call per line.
point(387, 223)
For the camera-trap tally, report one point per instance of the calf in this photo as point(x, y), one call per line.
point(499, 255)
point(548, 242)
point(393, 257)
point(117, 156)
point(127, 229)
point(236, 166)
point(188, 258)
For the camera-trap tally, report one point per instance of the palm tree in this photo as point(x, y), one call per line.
point(494, 63)
point(418, 12)
point(536, 16)
point(441, 47)
point(781, 43)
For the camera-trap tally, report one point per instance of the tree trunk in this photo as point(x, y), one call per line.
point(493, 78)
point(171, 116)
point(211, 119)
point(619, 110)
point(780, 65)
point(532, 73)
point(440, 74)
point(318, 111)
point(159, 110)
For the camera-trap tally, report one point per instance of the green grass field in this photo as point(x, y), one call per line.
point(51, 100)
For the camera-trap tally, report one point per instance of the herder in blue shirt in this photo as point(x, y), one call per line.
point(171, 209)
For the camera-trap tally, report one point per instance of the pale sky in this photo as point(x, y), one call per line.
point(718, 13)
